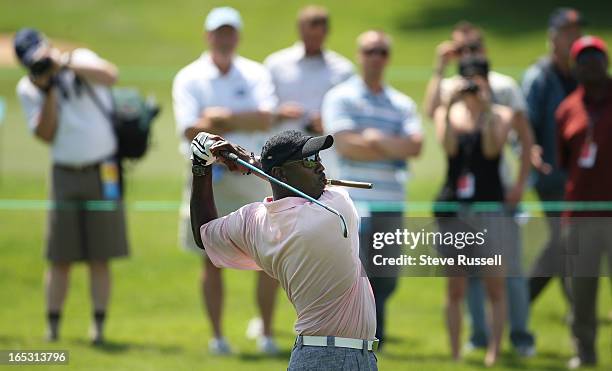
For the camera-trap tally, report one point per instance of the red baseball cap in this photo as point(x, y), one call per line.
point(586, 42)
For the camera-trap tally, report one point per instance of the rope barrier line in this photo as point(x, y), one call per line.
point(410, 206)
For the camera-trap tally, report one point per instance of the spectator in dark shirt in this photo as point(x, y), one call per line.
point(585, 151)
point(545, 85)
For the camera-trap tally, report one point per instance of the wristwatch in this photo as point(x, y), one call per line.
point(199, 169)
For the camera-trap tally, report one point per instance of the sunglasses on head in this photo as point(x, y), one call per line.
point(309, 162)
point(383, 52)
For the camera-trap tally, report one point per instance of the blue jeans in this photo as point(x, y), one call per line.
point(517, 293)
point(518, 312)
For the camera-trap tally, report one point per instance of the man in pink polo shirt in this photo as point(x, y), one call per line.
point(298, 243)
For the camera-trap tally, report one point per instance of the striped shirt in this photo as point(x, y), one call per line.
point(352, 106)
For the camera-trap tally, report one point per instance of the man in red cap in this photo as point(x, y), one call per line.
point(585, 151)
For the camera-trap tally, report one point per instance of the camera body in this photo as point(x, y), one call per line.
point(474, 66)
point(41, 66)
point(471, 67)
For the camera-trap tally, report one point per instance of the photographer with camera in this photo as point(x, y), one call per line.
point(473, 131)
point(60, 112)
point(467, 41)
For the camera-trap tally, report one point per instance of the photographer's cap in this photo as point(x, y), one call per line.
point(223, 16)
point(27, 42)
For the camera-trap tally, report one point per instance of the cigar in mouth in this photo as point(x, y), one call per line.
point(348, 183)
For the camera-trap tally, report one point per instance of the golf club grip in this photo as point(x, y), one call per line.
point(229, 155)
point(347, 183)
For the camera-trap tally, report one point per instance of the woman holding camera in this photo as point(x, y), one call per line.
point(473, 131)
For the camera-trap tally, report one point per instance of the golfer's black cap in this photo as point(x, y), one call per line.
point(291, 145)
point(563, 17)
point(27, 41)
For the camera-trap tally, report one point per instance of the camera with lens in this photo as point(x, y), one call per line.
point(41, 66)
point(471, 67)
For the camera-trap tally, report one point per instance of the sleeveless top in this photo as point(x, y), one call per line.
point(470, 176)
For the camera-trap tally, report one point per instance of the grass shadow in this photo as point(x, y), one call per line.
point(511, 361)
point(417, 358)
point(117, 347)
point(256, 357)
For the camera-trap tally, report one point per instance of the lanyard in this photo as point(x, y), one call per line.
point(592, 120)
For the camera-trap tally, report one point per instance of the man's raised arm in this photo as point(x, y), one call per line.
point(205, 150)
point(202, 204)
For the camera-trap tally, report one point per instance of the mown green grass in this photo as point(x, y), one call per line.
point(156, 320)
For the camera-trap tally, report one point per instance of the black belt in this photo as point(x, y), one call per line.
point(78, 168)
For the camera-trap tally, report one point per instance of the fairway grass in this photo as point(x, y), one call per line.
point(156, 319)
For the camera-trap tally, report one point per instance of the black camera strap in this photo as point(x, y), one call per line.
point(98, 103)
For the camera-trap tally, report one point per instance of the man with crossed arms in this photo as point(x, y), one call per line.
point(224, 93)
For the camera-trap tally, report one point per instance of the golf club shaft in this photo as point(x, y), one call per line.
point(349, 183)
point(235, 158)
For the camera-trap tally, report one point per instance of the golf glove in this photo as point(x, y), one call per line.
point(200, 149)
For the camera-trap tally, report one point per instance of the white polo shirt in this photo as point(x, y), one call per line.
point(245, 87)
point(305, 79)
point(84, 135)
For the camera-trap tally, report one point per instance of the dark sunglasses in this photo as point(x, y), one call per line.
point(316, 22)
point(309, 162)
point(383, 52)
point(471, 48)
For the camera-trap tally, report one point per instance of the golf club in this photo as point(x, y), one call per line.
point(234, 157)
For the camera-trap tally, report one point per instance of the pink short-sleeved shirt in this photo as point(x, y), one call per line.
point(301, 245)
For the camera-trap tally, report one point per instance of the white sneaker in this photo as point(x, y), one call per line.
point(254, 328)
point(266, 345)
point(470, 347)
point(219, 347)
point(526, 351)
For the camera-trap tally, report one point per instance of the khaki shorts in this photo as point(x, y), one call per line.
point(231, 191)
point(80, 231)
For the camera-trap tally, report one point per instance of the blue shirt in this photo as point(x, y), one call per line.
point(352, 106)
point(544, 92)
